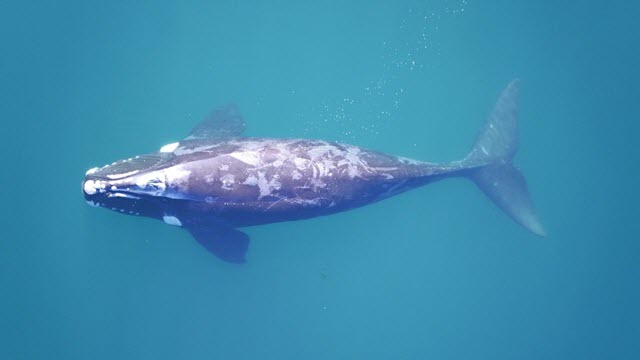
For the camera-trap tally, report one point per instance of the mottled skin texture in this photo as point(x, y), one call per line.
point(257, 181)
point(215, 181)
point(252, 181)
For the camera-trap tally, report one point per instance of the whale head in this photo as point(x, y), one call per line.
point(132, 186)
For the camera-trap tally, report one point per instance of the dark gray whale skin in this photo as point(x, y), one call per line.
point(216, 181)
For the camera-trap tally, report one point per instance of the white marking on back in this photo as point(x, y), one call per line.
point(227, 181)
point(169, 148)
point(301, 163)
point(319, 152)
point(248, 157)
point(251, 181)
point(265, 186)
point(353, 171)
point(172, 220)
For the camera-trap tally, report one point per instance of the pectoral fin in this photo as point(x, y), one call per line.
point(224, 122)
point(226, 243)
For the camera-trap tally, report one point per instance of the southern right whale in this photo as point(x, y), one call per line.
point(216, 181)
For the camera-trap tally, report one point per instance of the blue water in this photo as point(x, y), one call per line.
point(438, 272)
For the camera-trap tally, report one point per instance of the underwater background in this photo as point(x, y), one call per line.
point(438, 272)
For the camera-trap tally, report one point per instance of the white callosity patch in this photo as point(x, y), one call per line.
point(92, 171)
point(123, 175)
point(172, 220)
point(91, 187)
point(169, 148)
point(92, 204)
point(109, 167)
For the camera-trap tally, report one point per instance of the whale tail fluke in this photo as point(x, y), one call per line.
point(489, 163)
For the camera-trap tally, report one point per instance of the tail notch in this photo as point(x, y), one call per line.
point(490, 162)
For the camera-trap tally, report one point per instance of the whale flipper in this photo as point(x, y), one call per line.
point(490, 165)
point(224, 122)
point(226, 243)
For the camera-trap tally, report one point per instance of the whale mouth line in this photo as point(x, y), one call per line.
point(124, 195)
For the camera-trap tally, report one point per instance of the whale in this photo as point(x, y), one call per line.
point(216, 181)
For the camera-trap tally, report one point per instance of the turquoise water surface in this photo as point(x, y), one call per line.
point(435, 273)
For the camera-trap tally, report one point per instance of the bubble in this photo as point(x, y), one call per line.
point(406, 55)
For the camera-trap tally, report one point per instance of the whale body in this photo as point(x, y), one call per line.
point(216, 181)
